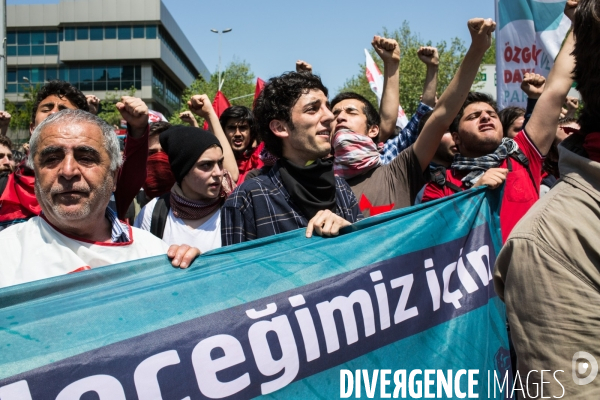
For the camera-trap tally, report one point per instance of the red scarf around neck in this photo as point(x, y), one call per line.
point(18, 199)
point(591, 145)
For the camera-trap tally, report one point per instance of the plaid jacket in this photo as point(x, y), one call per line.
point(262, 207)
point(405, 138)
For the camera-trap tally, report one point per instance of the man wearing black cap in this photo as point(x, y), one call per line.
point(300, 190)
point(203, 165)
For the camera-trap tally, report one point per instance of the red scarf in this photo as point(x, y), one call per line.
point(591, 145)
point(248, 161)
point(159, 178)
point(18, 200)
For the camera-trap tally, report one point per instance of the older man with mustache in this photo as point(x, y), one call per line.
point(75, 157)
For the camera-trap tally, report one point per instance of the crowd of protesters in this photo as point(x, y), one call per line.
point(299, 160)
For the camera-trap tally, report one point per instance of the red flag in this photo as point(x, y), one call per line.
point(220, 104)
point(260, 84)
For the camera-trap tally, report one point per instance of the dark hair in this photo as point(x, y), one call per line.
point(18, 156)
point(242, 113)
point(276, 100)
point(508, 116)
point(567, 120)
point(60, 89)
point(373, 118)
point(158, 127)
point(473, 97)
point(586, 28)
point(5, 141)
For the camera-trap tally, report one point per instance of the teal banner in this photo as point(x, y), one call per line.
point(399, 305)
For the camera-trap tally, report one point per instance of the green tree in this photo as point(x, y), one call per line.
point(238, 81)
point(412, 70)
point(108, 109)
point(21, 113)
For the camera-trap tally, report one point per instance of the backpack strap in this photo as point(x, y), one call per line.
point(160, 214)
point(3, 182)
point(438, 175)
point(523, 160)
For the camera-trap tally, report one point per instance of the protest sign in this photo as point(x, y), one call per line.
point(409, 290)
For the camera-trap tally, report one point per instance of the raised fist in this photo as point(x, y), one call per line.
point(570, 7)
point(135, 112)
point(481, 32)
point(429, 55)
point(387, 49)
point(93, 103)
point(200, 105)
point(533, 85)
point(4, 119)
point(572, 103)
point(303, 66)
point(189, 118)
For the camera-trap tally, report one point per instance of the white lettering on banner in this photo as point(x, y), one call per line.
point(105, 386)
point(346, 306)
point(146, 374)
point(15, 391)
point(402, 314)
point(284, 358)
point(266, 363)
point(206, 368)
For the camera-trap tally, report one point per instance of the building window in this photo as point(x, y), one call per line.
point(83, 33)
point(110, 32)
point(51, 37)
point(37, 37)
point(96, 33)
point(37, 50)
point(69, 34)
point(52, 50)
point(150, 32)
point(165, 90)
point(124, 32)
point(23, 50)
point(138, 32)
point(23, 38)
point(32, 43)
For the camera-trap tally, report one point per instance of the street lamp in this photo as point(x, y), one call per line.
point(220, 82)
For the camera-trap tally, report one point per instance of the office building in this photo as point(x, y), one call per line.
point(99, 46)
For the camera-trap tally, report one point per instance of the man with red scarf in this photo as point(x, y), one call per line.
point(548, 272)
point(18, 202)
point(240, 128)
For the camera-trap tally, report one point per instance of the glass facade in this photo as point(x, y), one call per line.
point(32, 43)
point(85, 78)
point(165, 90)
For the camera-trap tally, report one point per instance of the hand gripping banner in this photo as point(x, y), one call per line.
point(285, 316)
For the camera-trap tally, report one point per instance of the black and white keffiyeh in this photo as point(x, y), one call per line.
point(477, 166)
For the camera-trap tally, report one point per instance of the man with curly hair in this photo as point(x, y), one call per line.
point(300, 190)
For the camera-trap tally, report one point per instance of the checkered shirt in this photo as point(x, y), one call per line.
point(262, 207)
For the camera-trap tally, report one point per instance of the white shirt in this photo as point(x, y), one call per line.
point(35, 250)
point(205, 237)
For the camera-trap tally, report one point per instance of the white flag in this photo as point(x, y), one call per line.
point(528, 38)
point(375, 78)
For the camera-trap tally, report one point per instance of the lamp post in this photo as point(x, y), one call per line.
point(220, 82)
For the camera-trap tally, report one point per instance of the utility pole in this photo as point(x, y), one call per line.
point(220, 82)
point(2, 54)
